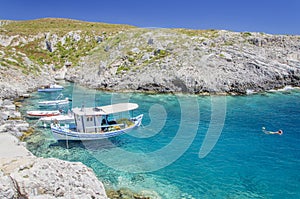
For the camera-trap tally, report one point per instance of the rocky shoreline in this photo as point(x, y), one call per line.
point(23, 175)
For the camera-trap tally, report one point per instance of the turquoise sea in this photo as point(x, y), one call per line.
point(189, 146)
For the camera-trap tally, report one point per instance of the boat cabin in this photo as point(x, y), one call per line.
point(96, 119)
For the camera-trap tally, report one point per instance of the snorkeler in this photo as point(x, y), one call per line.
point(279, 132)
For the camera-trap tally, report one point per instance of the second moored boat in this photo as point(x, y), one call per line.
point(38, 114)
point(57, 102)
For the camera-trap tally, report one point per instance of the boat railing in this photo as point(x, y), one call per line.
point(104, 126)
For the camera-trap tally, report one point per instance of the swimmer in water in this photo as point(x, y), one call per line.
point(279, 132)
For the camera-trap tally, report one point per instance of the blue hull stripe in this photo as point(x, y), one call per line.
point(66, 134)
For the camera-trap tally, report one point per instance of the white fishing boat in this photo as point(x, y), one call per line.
point(58, 119)
point(98, 123)
point(38, 114)
point(57, 102)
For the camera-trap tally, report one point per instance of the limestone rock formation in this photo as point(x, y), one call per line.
point(194, 62)
point(22, 175)
point(122, 58)
point(31, 177)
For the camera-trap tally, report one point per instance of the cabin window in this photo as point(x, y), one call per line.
point(89, 119)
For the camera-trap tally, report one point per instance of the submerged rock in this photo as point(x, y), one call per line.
point(127, 193)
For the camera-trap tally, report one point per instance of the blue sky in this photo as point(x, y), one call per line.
point(269, 16)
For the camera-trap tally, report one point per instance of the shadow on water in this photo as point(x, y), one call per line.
point(93, 145)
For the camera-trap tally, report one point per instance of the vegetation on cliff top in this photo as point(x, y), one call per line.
point(51, 41)
point(58, 26)
point(54, 41)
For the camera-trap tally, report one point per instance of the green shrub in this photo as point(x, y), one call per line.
point(131, 59)
point(246, 34)
point(122, 68)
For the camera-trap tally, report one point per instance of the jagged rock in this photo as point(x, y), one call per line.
point(49, 46)
point(6, 40)
point(4, 115)
point(99, 39)
point(257, 41)
point(60, 74)
point(135, 50)
point(250, 61)
point(227, 56)
point(7, 187)
point(23, 126)
point(53, 177)
point(150, 42)
point(23, 175)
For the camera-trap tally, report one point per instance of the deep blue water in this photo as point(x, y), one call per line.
point(163, 156)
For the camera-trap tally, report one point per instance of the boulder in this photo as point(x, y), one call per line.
point(23, 175)
point(57, 178)
point(7, 187)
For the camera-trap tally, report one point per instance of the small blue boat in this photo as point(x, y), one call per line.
point(51, 88)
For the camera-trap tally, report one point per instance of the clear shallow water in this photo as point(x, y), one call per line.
point(162, 156)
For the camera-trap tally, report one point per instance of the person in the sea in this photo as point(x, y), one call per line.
point(279, 132)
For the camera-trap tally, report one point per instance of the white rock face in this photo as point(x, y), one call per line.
point(57, 178)
point(6, 40)
point(7, 189)
point(162, 60)
point(27, 176)
point(60, 74)
point(11, 147)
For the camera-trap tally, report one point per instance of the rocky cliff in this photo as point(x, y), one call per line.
point(164, 60)
point(121, 58)
point(33, 52)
